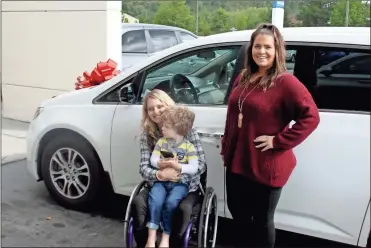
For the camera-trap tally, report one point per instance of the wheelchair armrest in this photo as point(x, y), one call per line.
point(206, 190)
point(210, 189)
point(140, 186)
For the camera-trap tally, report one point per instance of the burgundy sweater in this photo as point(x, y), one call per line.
point(268, 113)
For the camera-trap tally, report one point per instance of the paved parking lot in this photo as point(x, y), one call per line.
point(30, 218)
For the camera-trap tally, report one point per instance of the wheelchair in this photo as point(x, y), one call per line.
point(201, 229)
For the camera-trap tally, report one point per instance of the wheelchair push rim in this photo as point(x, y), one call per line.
point(128, 222)
point(208, 222)
point(187, 234)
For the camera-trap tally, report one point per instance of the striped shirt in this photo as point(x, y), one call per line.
point(184, 150)
point(148, 172)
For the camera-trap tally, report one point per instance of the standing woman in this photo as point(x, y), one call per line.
point(257, 143)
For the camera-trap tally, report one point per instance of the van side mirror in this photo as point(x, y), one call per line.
point(123, 94)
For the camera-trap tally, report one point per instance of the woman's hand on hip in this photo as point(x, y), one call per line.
point(266, 142)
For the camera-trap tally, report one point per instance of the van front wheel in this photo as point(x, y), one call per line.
point(71, 171)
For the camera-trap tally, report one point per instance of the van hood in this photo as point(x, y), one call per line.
point(82, 96)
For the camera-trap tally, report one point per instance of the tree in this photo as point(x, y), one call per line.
point(204, 17)
point(204, 20)
point(291, 11)
point(250, 18)
point(175, 13)
point(358, 14)
point(132, 8)
point(219, 21)
point(315, 13)
point(143, 10)
point(257, 16)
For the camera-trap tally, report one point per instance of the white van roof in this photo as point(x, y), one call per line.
point(336, 35)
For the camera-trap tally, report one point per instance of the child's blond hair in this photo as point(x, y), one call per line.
point(180, 118)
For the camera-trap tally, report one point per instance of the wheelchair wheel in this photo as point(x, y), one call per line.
point(128, 222)
point(208, 220)
point(190, 233)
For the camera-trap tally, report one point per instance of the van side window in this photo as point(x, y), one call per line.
point(134, 42)
point(162, 39)
point(338, 79)
point(359, 64)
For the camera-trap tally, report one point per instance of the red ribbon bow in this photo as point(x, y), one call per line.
point(103, 72)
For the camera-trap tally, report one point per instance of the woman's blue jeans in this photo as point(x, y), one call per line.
point(163, 199)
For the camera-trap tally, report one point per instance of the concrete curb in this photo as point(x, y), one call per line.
point(13, 158)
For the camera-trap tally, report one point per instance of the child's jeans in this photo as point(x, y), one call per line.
point(163, 199)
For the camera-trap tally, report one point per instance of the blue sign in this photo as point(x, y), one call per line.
point(278, 4)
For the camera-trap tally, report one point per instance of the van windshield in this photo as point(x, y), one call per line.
point(186, 66)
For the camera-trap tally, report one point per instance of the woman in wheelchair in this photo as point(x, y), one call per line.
point(171, 151)
point(184, 220)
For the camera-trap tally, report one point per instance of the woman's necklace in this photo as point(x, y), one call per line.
point(240, 104)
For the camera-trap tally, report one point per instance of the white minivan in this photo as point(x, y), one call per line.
point(96, 131)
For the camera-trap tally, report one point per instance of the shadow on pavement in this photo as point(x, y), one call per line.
point(114, 206)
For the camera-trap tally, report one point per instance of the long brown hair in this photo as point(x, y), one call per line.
point(279, 64)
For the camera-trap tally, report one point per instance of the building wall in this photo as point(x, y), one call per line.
point(47, 45)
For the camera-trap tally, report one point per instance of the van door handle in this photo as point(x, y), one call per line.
point(212, 135)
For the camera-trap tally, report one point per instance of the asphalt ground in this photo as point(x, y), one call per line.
point(31, 218)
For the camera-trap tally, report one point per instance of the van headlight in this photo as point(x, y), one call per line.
point(38, 112)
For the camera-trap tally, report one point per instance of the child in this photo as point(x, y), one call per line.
point(165, 196)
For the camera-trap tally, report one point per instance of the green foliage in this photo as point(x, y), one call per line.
point(204, 26)
point(144, 10)
point(358, 13)
point(250, 18)
point(218, 16)
point(292, 8)
point(219, 21)
point(315, 13)
point(174, 13)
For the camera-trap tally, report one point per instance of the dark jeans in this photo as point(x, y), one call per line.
point(252, 206)
point(182, 216)
point(163, 199)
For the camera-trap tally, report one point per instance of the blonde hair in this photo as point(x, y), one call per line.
point(147, 124)
point(180, 118)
